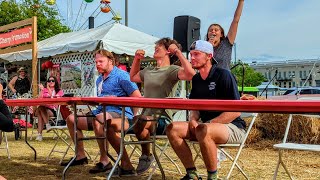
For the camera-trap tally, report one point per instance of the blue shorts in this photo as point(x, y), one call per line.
point(163, 122)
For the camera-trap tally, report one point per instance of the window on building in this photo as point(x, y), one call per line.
point(300, 74)
point(285, 84)
point(301, 83)
point(289, 74)
point(306, 91)
point(269, 75)
point(279, 84)
point(279, 74)
point(289, 84)
point(265, 75)
point(285, 74)
point(304, 74)
point(293, 84)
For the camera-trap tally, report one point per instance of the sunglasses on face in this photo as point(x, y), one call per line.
point(50, 80)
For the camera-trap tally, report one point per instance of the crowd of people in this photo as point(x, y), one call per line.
point(209, 72)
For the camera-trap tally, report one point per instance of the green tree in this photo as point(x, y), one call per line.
point(49, 21)
point(252, 78)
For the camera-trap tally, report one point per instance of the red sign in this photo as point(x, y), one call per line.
point(16, 37)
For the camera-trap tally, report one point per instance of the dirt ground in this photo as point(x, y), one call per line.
point(258, 160)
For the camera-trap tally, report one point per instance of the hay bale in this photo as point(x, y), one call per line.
point(303, 129)
point(255, 134)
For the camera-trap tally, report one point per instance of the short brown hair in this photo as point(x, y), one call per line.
point(107, 54)
point(166, 42)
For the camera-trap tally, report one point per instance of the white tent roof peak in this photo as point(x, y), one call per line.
point(114, 37)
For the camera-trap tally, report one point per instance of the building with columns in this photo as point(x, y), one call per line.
point(290, 73)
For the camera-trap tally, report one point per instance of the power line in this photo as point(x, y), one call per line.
point(87, 18)
point(77, 16)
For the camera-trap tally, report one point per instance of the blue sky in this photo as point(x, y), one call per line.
point(268, 29)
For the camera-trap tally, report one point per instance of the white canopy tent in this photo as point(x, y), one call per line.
point(115, 37)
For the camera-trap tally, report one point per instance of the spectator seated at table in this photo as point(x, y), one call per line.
point(211, 82)
point(158, 83)
point(44, 112)
point(6, 122)
point(111, 82)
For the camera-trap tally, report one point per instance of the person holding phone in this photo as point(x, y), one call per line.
point(44, 112)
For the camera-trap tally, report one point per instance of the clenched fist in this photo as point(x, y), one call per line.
point(173, 49)
point(139, 54)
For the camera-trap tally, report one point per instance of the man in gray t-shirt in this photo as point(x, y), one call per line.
point(158, 83)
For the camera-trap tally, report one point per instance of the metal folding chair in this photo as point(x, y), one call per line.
point(62, 135)
point(223, 147)
point(291, 146)
point(161, 147)
point(4, 141)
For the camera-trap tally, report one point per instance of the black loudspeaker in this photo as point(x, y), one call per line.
point(186, 29)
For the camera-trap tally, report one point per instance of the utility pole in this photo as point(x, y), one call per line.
point(235, 53)
point(126, 13)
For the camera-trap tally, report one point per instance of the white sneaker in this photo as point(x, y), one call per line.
point(39, 137)
point(48, 126)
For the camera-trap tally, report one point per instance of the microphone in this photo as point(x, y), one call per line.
point(266, 88)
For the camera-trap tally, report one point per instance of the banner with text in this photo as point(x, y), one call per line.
point(16, 37)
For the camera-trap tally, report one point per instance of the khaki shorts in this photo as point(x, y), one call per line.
point(235, 134)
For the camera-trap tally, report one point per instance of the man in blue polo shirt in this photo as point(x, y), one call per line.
point(210, 82)
point(111, 82)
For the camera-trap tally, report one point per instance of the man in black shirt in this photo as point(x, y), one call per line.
point(210, 82)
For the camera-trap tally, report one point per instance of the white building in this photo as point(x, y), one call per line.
point(290, 73)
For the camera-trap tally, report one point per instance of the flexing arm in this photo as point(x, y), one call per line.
point(12, 83)
point(135, 69)
point(234, 25)
point(186, 72)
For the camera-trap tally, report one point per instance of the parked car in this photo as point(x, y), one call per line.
point(303, 90)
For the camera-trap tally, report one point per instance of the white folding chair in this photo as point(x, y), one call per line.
point(223, 147)
point(4, 141)
point(292, 146)
point(62, 135)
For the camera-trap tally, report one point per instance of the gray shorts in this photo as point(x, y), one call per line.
point(235, 134)
point(91, 118)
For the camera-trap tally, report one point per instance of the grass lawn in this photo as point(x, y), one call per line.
point(258, 160)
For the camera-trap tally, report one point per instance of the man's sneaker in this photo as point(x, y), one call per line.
point(144, 163)
point(119, 172)
point(189, 177)
point(99, 167)
point(39, 137)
